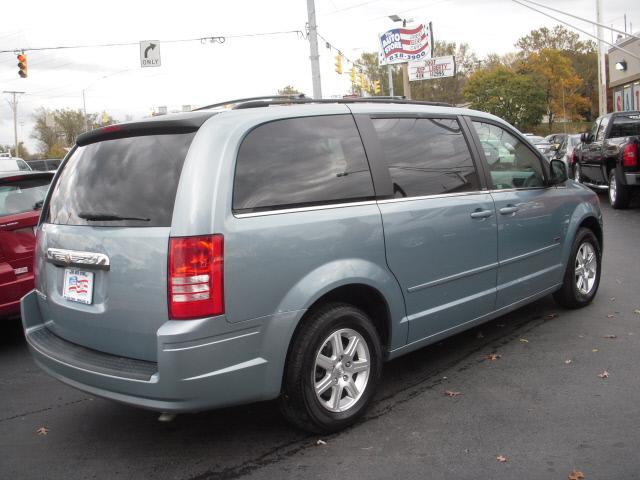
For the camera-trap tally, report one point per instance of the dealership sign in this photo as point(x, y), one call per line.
point(429, 68)
point(406, 44)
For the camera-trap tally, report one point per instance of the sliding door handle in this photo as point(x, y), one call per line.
point(508, 210)
point(481, 213)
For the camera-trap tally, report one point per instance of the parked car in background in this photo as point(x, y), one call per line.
point(45, 165)
point(21, 196)
point(542, 145)
point(607, 157)
point(13, 164)
point(556, 139)
point(566, 152)
point(293, 249)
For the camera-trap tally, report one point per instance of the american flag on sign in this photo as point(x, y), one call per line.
point(400, 45)
point(78, 286)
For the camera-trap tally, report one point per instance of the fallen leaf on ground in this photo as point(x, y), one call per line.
point(576, 475)
point(604, 374)
point(524, 340)
point(619, 282)
point(321, 442)
point(611, 315)
point(552, 315)
point(610, 336)
point(451, 393)
point(580, 336)
point(595, 350)
point(568, 361)
point(494, 356)
point(637, 311)
point(501, 458)
point(42, 431)
point(612, 299)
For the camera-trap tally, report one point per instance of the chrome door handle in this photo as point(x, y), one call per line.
point(74, 258)
point(508, 210)
point(481, 214)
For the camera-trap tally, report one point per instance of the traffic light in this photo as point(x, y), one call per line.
point(376, 87)
point(339, 64)
point(22, 65)
point(352, 73)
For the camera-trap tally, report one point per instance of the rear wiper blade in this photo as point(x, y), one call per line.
point(108, 217)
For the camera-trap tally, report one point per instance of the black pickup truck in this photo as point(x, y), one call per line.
point(607, 157)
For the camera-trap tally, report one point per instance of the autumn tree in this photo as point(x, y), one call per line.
point(368, 64)
point(515, 97)
point(559, 82)
point(288, 90)
point(44, 131)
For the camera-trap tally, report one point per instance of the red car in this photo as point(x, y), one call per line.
point(21, 197)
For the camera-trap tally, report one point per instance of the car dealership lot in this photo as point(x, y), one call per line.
point(545, 415)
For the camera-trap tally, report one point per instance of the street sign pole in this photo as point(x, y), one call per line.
point(14, 107)
point(390, 77)
point(602, 73)
point(405, 81)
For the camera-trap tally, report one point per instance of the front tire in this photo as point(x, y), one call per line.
point(582, 276)
point(619, 196)
point(333, 369)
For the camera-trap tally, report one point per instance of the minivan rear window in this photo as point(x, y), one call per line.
point(123, 182)
point(23, 195)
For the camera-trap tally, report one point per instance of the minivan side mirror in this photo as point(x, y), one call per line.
point(558, 172)
point(586, 137)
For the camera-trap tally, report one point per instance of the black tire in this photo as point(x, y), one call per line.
point(619, 195)
point(570, 295)
point(298, 402)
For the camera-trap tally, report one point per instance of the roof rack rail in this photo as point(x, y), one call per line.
point(251, 99)
point(288, 101)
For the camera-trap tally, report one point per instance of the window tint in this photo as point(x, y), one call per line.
point(512, 164)
point(301, 161)
point(426, 156)
point(23, 195)
point(133, 177)
point(626, 126)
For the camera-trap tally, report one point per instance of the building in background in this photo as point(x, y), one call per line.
point(624, 75)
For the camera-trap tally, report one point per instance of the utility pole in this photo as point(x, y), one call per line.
point(84, 108)
point(390, 77)
point(313, 45)
point(406, 87)
point(602, 67)
point(14, 106)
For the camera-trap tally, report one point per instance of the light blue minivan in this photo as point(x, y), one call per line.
point(287, 247)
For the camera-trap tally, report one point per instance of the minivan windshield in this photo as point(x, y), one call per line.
point(122, 182)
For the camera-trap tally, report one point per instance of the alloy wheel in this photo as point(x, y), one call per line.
point(586, 268)
point(341, 370)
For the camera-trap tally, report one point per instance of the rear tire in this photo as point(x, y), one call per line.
point(333, 369)
point(619, 196)
point(582, 275)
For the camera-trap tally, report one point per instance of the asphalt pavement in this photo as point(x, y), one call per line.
point(526, 387)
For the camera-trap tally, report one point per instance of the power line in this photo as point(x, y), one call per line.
point(578, 29)
point(212, 39)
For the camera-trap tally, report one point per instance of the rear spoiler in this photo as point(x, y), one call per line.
point(26, 176)
point(163, 126)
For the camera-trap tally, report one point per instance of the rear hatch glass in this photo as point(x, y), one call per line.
point(123, 182)
point(114, 200)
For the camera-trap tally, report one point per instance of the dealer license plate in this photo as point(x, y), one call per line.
point(78, 286)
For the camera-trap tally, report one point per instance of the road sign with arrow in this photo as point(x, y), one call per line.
point(150, 53)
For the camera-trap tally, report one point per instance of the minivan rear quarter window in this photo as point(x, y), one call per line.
point(123, 182)
point(300, 162)
point(426, 156)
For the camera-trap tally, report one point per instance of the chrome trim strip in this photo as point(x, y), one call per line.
point(428, 197)
point(524, 256)
point(74, 258)
point(450, 278)
point(597, 187)
point(303, 209)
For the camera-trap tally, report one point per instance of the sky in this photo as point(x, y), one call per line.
point(201, 73)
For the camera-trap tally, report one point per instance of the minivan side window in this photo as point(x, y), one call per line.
point(299, 162)
point(512, 163)
point(426, 156)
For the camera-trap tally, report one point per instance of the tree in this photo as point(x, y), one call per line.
point(503, 92)
point(72, 123)
point(581, 53)
point(559, 82)
point(369, 65)
point(288, 90)
point(45, 131)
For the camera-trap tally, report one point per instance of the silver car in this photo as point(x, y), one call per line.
point(285, 248)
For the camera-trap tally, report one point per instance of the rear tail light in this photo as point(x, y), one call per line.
point(195, 280)
point(630, 155)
